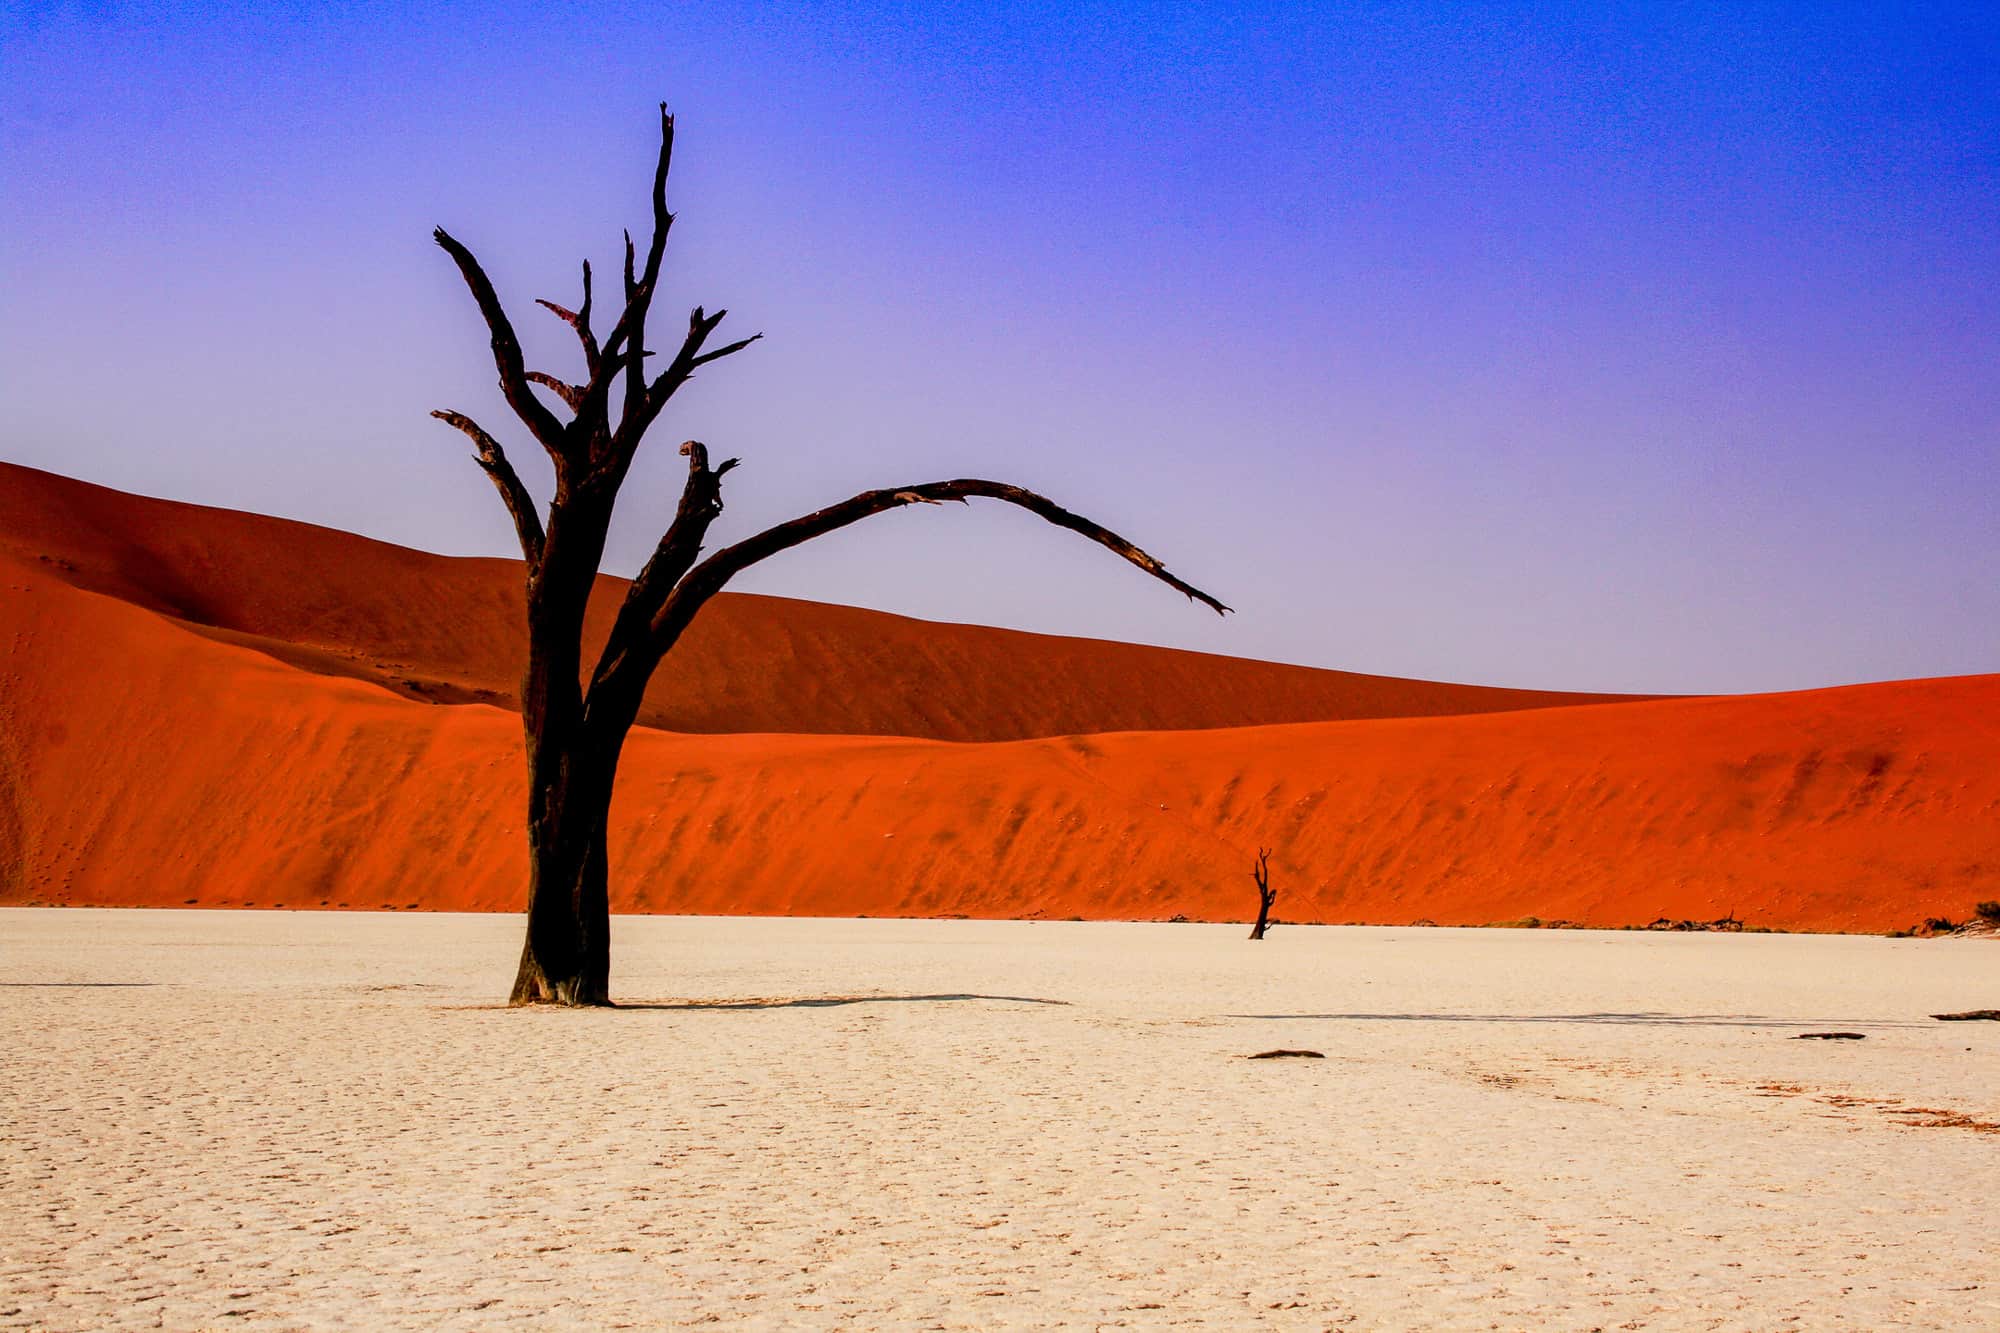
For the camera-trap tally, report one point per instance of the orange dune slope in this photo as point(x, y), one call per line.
point(144, 763)
point(449, 631)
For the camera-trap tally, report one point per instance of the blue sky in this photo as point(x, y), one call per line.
point(1594, 347)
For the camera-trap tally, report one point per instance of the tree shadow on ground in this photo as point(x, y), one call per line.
point(1642, 1019)
point(770, 1002)
point(824, 1001)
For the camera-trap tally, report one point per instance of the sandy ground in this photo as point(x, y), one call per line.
point(231, 1119)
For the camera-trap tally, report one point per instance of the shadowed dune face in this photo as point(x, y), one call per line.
point(449, 631)
point(147, 762)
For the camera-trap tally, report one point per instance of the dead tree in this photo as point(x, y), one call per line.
point(575, 724)
point(1266, 895)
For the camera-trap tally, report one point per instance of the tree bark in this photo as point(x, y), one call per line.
point(567, 956)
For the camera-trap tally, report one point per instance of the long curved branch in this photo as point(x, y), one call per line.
point(491, 457)
point(707, 578)
point(507, 357)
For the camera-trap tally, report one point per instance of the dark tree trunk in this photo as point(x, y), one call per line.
point(567, 956)
point(574, 735)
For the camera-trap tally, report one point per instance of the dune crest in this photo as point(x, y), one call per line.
point(448, 630)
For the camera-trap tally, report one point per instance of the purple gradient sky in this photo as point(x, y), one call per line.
point(1588, 348)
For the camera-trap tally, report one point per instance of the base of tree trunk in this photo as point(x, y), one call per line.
point(584, 983)
point(569, 993)
point(575, 987)
point(566, 958)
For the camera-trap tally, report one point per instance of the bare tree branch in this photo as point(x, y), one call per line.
point(632, 428)
point(720, 352)
point(491, 457)
point(506, 348)
point(707, 578)
point(626, 662)
point(579, 319)
point(569, 393)
point(649, 280)
point(625, 347)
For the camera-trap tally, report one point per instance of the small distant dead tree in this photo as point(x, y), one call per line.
point(1266, 895)
point(576, 724)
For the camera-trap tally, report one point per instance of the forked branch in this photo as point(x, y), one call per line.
point(700, 324)
point(625, 346)
point(624, 350)
point(579, 319)
point(625, 656)
point(641, 299)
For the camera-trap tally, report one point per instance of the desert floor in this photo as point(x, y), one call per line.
point(230, 1119)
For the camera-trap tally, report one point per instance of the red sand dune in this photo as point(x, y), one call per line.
point(147, 761)
point(449, 630)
